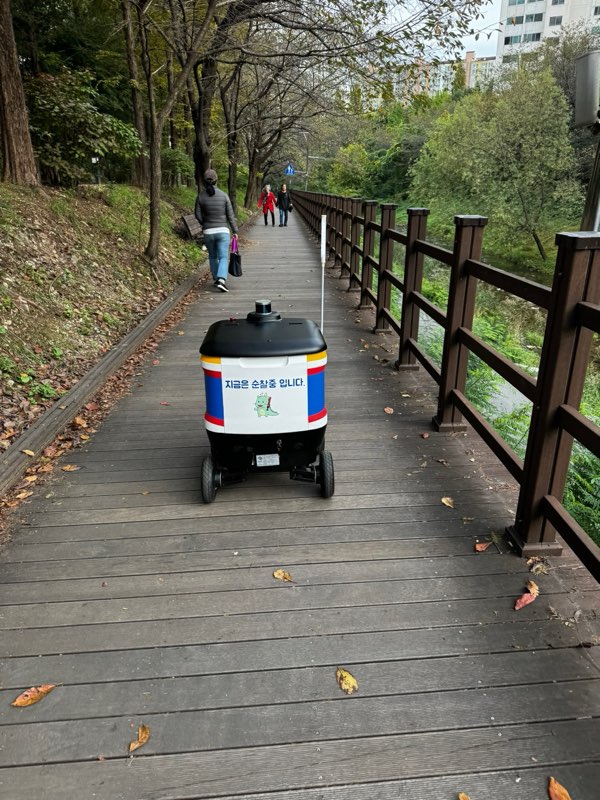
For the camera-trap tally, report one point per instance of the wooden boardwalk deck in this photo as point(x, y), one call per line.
point(148, 607)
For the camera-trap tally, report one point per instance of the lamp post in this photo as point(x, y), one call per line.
point(305, 134)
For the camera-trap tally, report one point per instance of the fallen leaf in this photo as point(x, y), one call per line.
point(84, 437)
point(31, 478)
point(425, 435)
point(481, 547)
point(180, 333)
point(537, 565)
point(33, 695)
point(533, 588)
point(448, 501)
point(156, 362)
point(388, 410)
point(346, 681)
point(282, 575)
point(79, 422)
point(143, 736)
point(46, 468)
point(70, 468)
point(556, 791)
point(28, 452)
point(463, 796)
point(164, 403)
point(524, 600)
point(23, 495)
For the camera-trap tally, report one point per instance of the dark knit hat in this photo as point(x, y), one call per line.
point(210, 176)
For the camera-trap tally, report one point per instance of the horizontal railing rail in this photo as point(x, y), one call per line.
point(363, 248)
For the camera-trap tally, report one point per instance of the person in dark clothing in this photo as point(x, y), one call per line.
point(267, 203)
point(283, 204)
point(215, 213)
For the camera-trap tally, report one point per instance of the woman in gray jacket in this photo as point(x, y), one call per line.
point(215, 213)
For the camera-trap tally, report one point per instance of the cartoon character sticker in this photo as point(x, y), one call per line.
point(262, 406)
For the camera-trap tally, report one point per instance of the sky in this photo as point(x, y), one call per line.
point(488, 25)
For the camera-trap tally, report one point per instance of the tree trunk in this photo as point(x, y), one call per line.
point(539, 244)
point(18, 160)
point(141, 171)
point(253, 184)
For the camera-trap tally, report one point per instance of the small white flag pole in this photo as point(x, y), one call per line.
point(323, 259)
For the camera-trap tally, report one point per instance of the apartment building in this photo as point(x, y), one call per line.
point(526, 23)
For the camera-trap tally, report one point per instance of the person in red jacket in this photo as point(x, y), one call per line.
point(267, 202)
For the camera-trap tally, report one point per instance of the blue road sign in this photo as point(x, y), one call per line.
point(289, 170)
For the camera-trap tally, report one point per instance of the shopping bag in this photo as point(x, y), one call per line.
point(235, 260)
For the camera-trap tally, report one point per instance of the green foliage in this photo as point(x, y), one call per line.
point(176, 166)
point(68, 130)
point(349, 170)
point(506, 154)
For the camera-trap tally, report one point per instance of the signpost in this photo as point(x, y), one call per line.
point(289, 170)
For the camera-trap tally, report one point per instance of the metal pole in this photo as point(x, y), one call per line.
point(323, 259)
point(306, 177)
point(590, 220)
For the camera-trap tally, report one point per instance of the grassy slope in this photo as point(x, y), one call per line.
point(73, 282)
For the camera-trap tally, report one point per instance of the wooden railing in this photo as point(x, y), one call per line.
point(573, 316)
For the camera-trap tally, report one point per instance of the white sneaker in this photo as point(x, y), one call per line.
point(221, 286)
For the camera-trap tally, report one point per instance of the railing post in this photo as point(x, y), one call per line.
point(386, 260)
point(413, 280)
point(329, 199)
point(461, 306)
point(346, 211)
point(355, 210)
point(366, 278)
point(338, 232)
point(561, 377)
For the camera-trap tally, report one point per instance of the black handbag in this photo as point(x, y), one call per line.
point(291, 208)
point(235, 260)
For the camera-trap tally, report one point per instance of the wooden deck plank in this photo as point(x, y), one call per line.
point(257, 769)
point(220, 729)
point(146, 606)
point(269, 687)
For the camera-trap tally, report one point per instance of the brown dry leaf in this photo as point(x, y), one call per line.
point(282, 575)
point(425, 435)
point(143, 736)
point(556, 791)
point(346, 681)
point(481, 547)
point(525, 599)
point(448, 501)
point(164, 403)
point(46, 468)
point(70, 468)
point(33, 695)
point(28, 452)
point(23, 495)
point(180, 333)
point(533, 588)
point(463, 796)
point(156, 362)
point(79, 422)
point(84, 437)
point(30, 478)
point(388, 410)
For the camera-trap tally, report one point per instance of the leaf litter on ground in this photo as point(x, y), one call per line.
point(346, 681)
point(142, 738)
point(33, 695)
point(282, 575)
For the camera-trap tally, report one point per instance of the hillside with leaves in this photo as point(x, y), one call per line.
point(73, 282)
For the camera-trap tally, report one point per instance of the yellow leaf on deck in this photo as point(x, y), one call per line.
point(28, 452)
point(143, 736)
point(23, 495)
point(70, 468)
point(463, 796)
point(33, 695)
point(533, 588)
point(346, 681)
point(31, 479)
point(282, 575)
point(79, 422)
point(556, 791)
point(448, 501)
